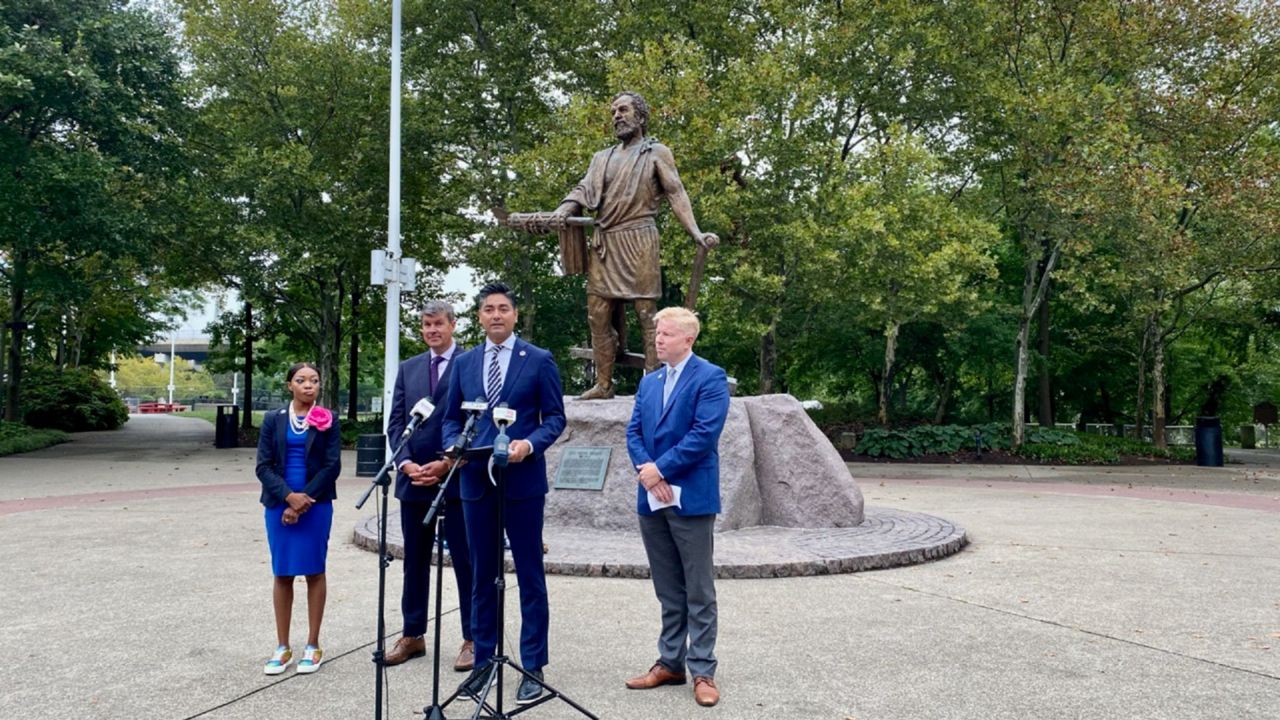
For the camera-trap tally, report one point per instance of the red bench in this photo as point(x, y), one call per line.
point(160, 407)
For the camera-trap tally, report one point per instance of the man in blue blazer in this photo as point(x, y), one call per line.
point(427, 376)
point(507, 370)
point(673, 440)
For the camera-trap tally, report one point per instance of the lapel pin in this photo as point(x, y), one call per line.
point(522, 353)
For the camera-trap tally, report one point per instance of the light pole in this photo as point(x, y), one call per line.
point(388, 266)
point(173, 344)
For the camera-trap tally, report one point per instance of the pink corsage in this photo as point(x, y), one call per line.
point(319, 418)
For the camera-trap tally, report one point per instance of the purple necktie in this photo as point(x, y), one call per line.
point(435, 373)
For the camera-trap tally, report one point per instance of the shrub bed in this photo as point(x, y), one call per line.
point(70, 400)
point(1043, 445)
point(18, 438)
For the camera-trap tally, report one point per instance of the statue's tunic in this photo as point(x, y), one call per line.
point(623, 259)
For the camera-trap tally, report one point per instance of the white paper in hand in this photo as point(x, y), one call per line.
point(656, 504)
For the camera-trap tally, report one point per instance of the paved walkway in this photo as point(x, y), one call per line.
point(137, 586)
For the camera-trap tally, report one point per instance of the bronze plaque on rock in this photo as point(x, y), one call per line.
point(582, 468)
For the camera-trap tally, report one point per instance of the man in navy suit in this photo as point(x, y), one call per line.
point(507, 370)
point(427, 376)
point(673, 440)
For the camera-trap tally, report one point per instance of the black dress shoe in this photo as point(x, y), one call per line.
point(530, 689)
point(475, 683)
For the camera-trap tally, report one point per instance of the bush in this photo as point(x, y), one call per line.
point(1140, 448)
point(19, 438)
point(364, 426)
point(932, 440)
point(1076, 453)
point(70, 400)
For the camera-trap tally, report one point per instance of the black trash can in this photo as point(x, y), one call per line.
point(371, 453)
point(1208, 442)
point(226, 427)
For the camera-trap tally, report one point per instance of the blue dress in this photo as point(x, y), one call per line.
point(301, 548)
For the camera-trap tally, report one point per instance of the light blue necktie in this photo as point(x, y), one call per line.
point(668, 386)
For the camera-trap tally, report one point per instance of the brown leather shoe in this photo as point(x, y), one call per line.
point(406, 648)
point(705, 691)
point(659, 674)
point(466, 657)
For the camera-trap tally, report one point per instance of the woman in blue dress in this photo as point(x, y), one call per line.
point(299, 459)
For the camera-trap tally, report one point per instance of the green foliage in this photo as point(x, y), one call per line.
point(1049, 445)
point(1138, 448)
point(931, 440)
point(1052, 436)
point(368, 425)
point(143, 377)
point(91, 119)
point(1078, 454)
point(18, 438)
point(71, 400)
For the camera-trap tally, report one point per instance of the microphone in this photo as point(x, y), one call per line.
point(473, 409)
point(475, 406)
point(502, 417)
point(421, 411)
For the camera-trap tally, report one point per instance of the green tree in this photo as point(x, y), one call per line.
point(90, 111)
point(911, 254)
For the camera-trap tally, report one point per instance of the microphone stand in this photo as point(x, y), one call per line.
point(500, 658)
point(383, 480)
point(435, 711)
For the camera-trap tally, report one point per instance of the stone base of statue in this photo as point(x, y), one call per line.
point(788, 503)
point(776, 468)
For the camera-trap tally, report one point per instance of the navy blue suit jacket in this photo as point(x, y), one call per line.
point(532, 388)
point(324, 459)
point(413, 382)
point(683, 439)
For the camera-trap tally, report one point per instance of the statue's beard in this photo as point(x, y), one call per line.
point(624, 129)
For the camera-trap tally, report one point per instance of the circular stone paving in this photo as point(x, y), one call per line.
point(886, 538)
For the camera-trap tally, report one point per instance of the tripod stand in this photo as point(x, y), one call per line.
point(500, 659)
point(383, 480)
point(462, 450)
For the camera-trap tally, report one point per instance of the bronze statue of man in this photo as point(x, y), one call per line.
point(624, 186)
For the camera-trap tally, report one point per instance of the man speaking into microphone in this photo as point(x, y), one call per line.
point(421, 383)
point(524, 379)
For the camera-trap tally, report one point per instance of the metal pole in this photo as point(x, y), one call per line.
point(113, 369)
point(173, 344)
point(392, 341)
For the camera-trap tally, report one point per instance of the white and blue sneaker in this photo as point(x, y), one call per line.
point(312, 656)
point(280, 661)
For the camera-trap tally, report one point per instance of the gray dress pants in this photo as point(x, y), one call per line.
point(680, 562)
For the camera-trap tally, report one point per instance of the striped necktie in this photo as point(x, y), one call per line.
point(493, 384)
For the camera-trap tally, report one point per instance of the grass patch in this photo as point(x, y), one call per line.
point(18, 438)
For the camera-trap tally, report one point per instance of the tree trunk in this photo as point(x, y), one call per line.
point(1035, 281)
point(1020, 381)
point(886, 378)
point(353, 358)
point(1140, 411)
point(246, 420)
point(1044, 412)
point(769, 359)
point(1157, 388)
point(18, 290)
point(328, 341)
point(944, 396)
